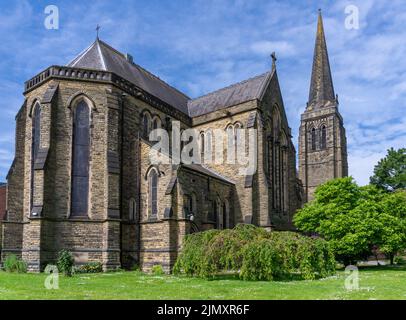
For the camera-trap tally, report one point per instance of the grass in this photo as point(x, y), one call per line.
point(375, 283)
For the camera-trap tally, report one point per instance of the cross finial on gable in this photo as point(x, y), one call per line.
point(273, 56)
point(97, 31)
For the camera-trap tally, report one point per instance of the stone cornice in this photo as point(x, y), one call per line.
point(100, 76)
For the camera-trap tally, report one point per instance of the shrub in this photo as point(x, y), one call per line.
point(65, 262)
point(13, 264)
point(400, 260)
point(157, 270)
point(192, 259)
point(262, 261)
point(255, 254)
point(92, 267)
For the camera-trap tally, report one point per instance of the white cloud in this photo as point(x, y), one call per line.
point(282, 48)
point(361, 166)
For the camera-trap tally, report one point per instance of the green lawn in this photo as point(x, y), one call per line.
point(375, 283)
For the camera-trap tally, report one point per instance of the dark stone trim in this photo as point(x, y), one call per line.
point(249, 181)
point(251, 119)
point(41, 159)
point(36, 212)
point(165, 250)
point(11, 170)
point(49, 94)
point(91, 250)
point(13, 222)
point(20, 111)
point(209, 222)
point(113, 213)
point(74, 219)
point(168, 213)
point(202, 174)
point(171, 185)
point(153, 218)
point(113, 162)
point(248, 219)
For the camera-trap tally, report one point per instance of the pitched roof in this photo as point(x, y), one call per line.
point(244, 91)
point(206, 171)
point(321, 85)
point(2, 184)
point(100, 56)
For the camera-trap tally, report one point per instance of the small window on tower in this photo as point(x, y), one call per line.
point(313, 139)
point(323, 138)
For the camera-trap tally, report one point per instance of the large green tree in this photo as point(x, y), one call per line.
point(355, 219)
point(390, 172)
point(392, 236)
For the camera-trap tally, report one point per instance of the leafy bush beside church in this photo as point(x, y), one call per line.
point(255, 254)
point(356, 221)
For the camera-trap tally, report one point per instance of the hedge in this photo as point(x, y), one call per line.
point(254, 254)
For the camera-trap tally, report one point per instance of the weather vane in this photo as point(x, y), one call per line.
point(97, 31)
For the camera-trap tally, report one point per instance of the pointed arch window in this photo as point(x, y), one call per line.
point(313, 139)
point(35, 144)
point(146, 125)
point(153, 192)
point(230, 144)
point(156, 124)
point(214, 212)
point(132, 210)
point(202, 142)
point(284, 174)
point(80, 160)
point(219, 216)
point(237, 135)
point(323, 137)
point(276, 159)
point(209, 146)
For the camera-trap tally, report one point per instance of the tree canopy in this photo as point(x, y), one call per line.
point(356, 219)
point(390, 172)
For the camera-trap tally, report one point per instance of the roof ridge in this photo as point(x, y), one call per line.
point(268, 78)
point(77, 58)
point(143, 69)
point(217, 173)
point(111, 48)
point(231, 86)
point(101, 55)
point(213, 173)
point(163, 81)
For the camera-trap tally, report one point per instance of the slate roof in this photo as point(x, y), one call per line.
point(244, 91)
point(101, 56)
point(208, 172)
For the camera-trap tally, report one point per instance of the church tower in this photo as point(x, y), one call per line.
point(322, 141)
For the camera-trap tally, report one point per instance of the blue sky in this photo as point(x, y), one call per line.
point(199, 46)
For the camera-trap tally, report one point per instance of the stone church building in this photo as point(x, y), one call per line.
point(82, 179)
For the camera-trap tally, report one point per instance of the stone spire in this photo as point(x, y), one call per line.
point(321, 85)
